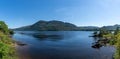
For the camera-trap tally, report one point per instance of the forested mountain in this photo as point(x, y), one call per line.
point(92, 28)
point(88, 28)
point(61, 26)
point(49, 26)
point(111, 27)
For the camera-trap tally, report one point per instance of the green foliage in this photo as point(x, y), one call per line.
point(3, 27)
point(109, 36)
point(7, 47)
point(113, 38)
point(117, 54)
point(101, 33)
point(11, 32)
point(5, 51)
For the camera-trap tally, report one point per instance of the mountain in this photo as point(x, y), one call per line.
point(49, 26)
point(88, 28)
point(111, 27)
point(55, 25)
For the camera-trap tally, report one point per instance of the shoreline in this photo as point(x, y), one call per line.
point(22, 50)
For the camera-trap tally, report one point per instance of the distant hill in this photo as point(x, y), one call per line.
point(88, 28)
point(49, 26)
point(55, 25)
point(111, 27)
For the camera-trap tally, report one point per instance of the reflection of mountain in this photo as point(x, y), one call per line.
point(44, 36)
point(48, 36)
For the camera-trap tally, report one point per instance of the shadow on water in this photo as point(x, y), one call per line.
point(99, 42)
point(43, 36)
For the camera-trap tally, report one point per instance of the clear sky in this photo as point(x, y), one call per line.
point(17, 13)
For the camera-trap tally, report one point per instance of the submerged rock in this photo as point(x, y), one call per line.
point(96, 45)
point(20, 43)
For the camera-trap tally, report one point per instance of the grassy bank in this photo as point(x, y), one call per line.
point(7, 45)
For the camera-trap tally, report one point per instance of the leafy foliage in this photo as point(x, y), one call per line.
point(7, 46)
point(11, 32)
point(101, 33)
point(3, 27)
point(113, 38)
point(117, 54)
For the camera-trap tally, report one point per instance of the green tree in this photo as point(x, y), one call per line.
point(117, 54)
point(3, 27)
point(103, 32)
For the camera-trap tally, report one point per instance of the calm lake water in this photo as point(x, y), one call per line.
point(65, 45)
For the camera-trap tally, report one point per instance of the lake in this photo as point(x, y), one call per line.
point(60, 45)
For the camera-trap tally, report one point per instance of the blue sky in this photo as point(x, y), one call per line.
point(17, 13)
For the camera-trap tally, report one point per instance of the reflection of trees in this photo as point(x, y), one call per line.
point(95, 39)
point(99, 42)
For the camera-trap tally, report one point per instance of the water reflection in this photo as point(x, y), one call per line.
point(99, 42)
point(69, 45)
point(44, 36)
